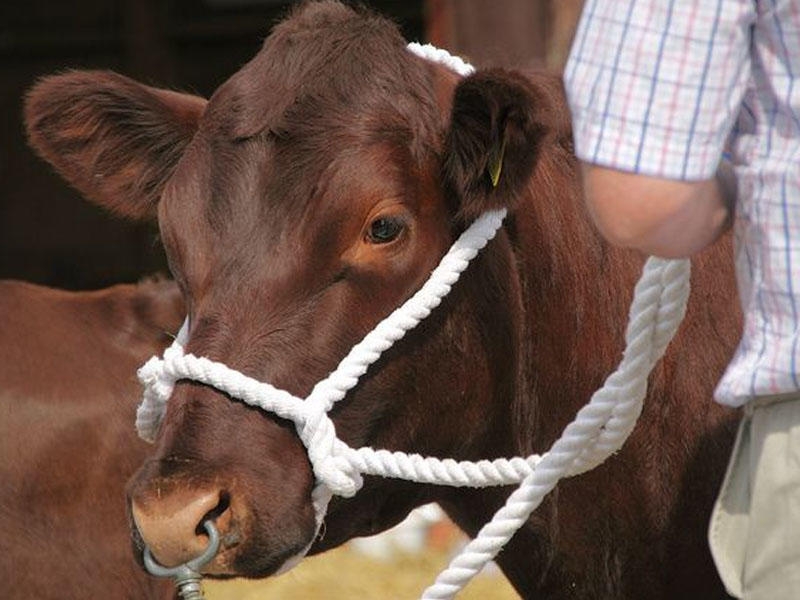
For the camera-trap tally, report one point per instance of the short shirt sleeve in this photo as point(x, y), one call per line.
point(654, 87)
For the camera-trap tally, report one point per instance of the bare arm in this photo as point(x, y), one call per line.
point(658, 216)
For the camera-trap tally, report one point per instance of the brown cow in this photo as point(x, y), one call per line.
point(68, 394)
point(315, 192)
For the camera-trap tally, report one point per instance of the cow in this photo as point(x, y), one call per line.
point(68, 395)
point(303, 202)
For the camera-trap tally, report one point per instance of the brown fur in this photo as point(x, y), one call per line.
point(266, 220)
point(68, 394)
point(61, 120)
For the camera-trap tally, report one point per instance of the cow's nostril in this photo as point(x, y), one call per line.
point(172, 526)
point(219, 515)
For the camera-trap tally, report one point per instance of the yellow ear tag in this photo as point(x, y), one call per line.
point(496, 167)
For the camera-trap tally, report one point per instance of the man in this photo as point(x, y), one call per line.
point(687, 112)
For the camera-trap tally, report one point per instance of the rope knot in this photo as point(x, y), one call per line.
point(157, 390)
point(149, 372)
point(339, 476)
point(318, 434)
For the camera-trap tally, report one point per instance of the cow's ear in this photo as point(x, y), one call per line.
point(115, 140)
point(498, 122)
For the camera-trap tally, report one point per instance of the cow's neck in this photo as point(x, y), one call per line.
point(565, 301)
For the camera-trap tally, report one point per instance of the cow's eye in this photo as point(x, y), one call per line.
point(384, 230)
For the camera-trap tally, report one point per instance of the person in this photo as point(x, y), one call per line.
point(685, 114)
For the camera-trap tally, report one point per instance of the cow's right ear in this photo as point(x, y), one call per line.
point(499, 122)
point(115, 140)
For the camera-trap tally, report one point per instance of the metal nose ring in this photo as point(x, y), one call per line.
point(187, 576)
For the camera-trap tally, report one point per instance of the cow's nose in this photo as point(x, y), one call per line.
point(172, 526)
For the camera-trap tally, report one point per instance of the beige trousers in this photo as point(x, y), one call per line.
point(754, 532)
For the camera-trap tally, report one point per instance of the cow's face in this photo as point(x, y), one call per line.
point(313, 194)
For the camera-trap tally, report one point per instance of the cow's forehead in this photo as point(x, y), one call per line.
point(319, 96)
point(315, 65)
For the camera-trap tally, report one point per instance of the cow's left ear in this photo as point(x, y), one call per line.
point(496, 131)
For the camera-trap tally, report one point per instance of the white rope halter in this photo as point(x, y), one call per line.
point(599, 429)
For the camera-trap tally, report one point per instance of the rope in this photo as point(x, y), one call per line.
point(599, 429)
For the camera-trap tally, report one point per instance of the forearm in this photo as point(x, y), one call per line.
point(659, 216)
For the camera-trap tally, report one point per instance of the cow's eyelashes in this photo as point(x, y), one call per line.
point(385, 229)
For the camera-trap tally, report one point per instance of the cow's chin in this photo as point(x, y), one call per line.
point(262, 547)
point(253, 563)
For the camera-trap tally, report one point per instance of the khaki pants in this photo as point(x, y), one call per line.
point(754, 532)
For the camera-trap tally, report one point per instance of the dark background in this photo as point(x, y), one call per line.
point(49, 235)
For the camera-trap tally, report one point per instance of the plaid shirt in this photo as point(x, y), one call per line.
point(663, 88)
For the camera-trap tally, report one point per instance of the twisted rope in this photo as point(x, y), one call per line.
point(598, 430)
point(600, 427)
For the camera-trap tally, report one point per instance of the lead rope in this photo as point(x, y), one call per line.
point(599, 429)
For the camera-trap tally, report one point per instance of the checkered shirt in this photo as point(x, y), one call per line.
point(664, 88)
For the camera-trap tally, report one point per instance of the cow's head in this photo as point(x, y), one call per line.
point(311, 195)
